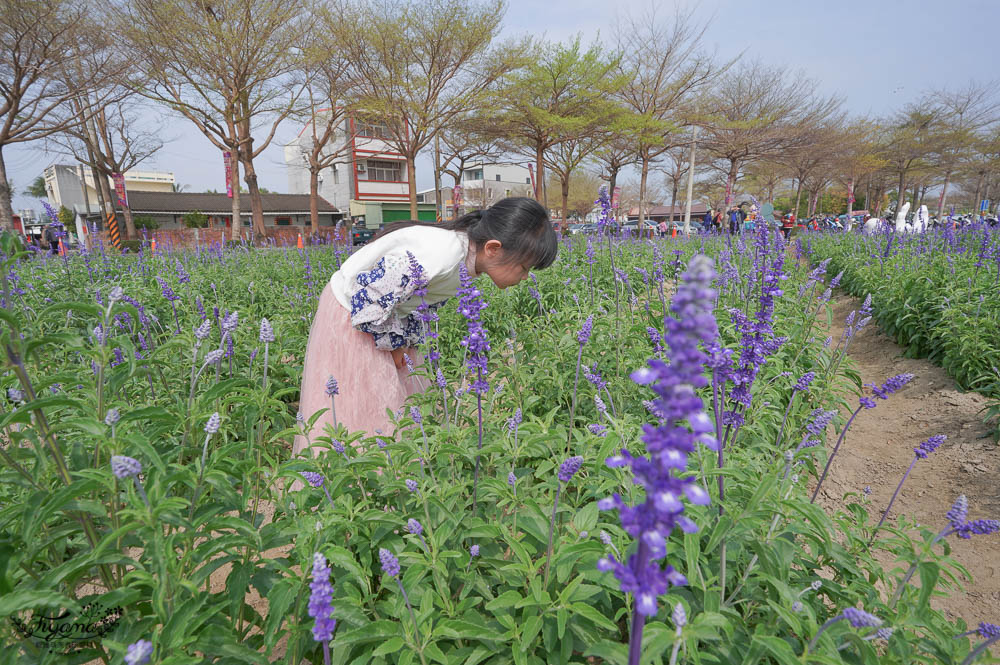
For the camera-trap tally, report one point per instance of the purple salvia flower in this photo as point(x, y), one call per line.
point(112, 417)
point(602, 408)
point(978, 527)
point(338, 446)
point(569, 468)
point(139, 653)
point(331, 387)
point(441, 382)
point(266, 331)
point(804, 381)
point(125, 467)
point(891, 385)
point(202, 331)
point(212, 426)
point(512, 479)
point(474, 551)
point(390, 564)
point(314, 479)
point(415, 415)
point(320, 600)
point(988, 630)
point(861, 619)
point(669, 443)
point(414, 527)
point(411, 484)
point(929, 446)
point(514, 421)
point(959, 511)
point(598, 430)
point(586, 330)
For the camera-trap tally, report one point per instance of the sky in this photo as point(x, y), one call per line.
point(878, 55)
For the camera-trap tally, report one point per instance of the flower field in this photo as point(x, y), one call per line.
point(936, 293)
point(617, 463)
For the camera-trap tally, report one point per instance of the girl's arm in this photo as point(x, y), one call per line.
point(376, 295)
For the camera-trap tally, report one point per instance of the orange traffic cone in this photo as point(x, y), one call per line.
point(299, 243)
point(674, 233)
point(152, 246)
point(62, 248)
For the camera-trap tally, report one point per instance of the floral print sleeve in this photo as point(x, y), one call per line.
point(376, 294)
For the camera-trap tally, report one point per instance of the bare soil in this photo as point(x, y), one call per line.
point(879, 447)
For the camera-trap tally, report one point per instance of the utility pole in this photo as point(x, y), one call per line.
point(690, 187)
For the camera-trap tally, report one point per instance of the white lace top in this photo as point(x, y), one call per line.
point(375, 286)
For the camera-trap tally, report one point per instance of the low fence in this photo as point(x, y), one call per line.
point(281, 236)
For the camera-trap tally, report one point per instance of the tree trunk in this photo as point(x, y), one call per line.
point(6, 209)
point(129, 222)
point(923, 193)
point(234, 184)
point(540, 174)
point(564, 185)
point(813, 202)
point(612, 183)
point(734, 168)
point(798, 197)
point(411, 184)
point(256, 202)
point(976, 199)
point(901, 190)
point(438, 203)
point(944, 193)
point(313, 200)
point(849, 222)
point(673, 202)
point(642, 194)
point(109, 196)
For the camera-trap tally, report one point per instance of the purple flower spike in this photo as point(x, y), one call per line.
point(139, 653)
point(929, 446)
point(474, 551)
point(959, 512)
point(320, 608)
point(314, 479)
point(390, 564)
point(598, 430)
point(891, 385)
point(411, 484)
point(988, 630)
point(125, 467)
point(569, 468)
point(588, 327)
point(804, 381)
point(212, 426)
point(266, 331)
point(861, 619)
point(415, 415)
point(338, 446)
point(331, 387)
point(414, 527)
point(978, 527)
point(511, 479)
point(112, 417)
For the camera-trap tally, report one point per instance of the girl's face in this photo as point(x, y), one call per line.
point(504, 272)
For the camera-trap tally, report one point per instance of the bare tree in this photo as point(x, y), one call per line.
point(567, 156)
point(617, 153)
point(913, 138)
point(42, 49)
point(966, 112)
point(466, 141)
point(856, 155)
point(227, 66)
point(661, 65)
point(420, 64)
point(759, 112)
point(113, 139)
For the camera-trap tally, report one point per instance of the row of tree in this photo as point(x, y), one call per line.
point(436, 73)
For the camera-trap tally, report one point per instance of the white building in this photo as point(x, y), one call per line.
point(483, 184)
point(369, 179)
point(73, 186)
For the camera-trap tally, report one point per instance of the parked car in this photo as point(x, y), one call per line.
point(362, 234)
point(582, 228)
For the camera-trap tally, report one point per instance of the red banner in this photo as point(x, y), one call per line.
point(119, 181)
point(615, 196)
point(228, 162)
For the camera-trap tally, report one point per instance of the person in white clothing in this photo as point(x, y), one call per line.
point(366, 321)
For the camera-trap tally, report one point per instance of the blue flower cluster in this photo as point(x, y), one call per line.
point(470, 304)
point(669, 443)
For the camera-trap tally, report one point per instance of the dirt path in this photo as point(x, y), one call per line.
point(879, 447)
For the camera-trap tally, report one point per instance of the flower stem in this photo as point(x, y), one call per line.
point(638, 619)
point(416, 629)
point(552, 526)
point(979, 650)
point(889, 507)
point(829, 461)
point(572, 410)
point(479, 411)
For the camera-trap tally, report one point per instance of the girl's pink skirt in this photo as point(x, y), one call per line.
point(369, 382)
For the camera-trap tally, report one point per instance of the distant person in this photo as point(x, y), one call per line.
point(706, 220)
point(787, 224)
point(735, 221)
point(52, 238)
point(663, 229)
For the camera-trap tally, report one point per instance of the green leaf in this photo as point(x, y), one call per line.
point(31, 599)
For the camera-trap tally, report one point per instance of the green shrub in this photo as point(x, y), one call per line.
point(145, 222)
point(195, 219)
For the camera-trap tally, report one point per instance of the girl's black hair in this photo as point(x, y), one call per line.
point(520, 224)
